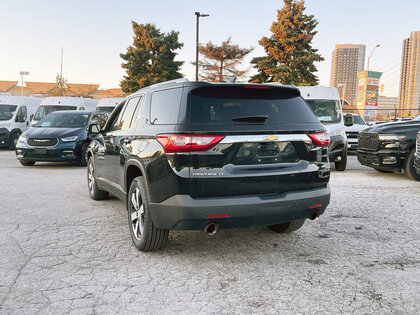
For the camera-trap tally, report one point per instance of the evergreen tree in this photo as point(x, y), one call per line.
point(220, 63)
point(150, 59)
point(290, 57)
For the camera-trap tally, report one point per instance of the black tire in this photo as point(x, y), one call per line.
point(27, 163)
point(13, 140)
point(83, 160)
point(145, 236)
point(409, 168)
point(287, 227)
point(381, 170)
point(341, 166)
point(94, 192)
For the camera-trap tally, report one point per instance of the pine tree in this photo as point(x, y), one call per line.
point(290, 57)
point(151, 58)
point(220, 63)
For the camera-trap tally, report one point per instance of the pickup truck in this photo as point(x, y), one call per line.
point(390, 147)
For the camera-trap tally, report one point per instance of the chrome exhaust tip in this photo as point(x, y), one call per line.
point(211, 228)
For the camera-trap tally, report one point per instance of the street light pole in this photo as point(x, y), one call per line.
point(371, 56)
point(198, 14)
point(22, 73)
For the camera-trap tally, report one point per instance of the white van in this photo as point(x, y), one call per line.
point(15, 116)
point(325, 103)
point(108, 104)
point(56, 103)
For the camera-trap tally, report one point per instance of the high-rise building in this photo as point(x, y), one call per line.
point(409, 97)
point(347, 61)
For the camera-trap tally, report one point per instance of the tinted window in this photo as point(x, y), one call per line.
point(224, 105)
point(358, 120)
point(165, 106)
point(115, 123)
point(64, 120)
point(127, 116)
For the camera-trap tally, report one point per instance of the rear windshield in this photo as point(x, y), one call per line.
point(45, 110)
point(233, 105)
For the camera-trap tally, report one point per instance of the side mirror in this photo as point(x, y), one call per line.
point(94, 128)
point(348, 120)
point(31, 117)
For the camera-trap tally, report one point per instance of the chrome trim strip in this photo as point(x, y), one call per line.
point(265, 138)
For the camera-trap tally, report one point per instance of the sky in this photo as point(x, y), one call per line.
point(93, 33)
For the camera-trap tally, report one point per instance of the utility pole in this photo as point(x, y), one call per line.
point(22, 73)
point(198, 14)
point(61, 66)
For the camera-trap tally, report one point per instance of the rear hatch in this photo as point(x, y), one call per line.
point(252, 140)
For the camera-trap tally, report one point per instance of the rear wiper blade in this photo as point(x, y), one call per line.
point(259, 118)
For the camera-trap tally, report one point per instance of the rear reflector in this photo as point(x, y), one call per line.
point(172, 143)
point(315, 206)
point(321, 139)
point(214, 216)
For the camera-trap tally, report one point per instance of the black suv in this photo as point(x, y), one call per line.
point(390, 147)
point(199, 156)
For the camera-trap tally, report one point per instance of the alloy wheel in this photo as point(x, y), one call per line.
point(137, 214)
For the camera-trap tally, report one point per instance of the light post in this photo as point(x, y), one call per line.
point(198, 14)
point(371, 56)
point(22, 73)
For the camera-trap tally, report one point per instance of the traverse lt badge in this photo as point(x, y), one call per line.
point(271, 138)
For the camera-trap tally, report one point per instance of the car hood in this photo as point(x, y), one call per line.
point(356, 127)
point(395, 127)
point(39, 132)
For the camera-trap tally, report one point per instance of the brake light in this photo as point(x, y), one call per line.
point(321, 139)
point(172, 143)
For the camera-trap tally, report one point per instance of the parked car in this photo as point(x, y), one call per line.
point(417, 155)
point(325, 103)
point(15, 115)
point(390, 147)
point(108, 104)
point(57, 103)
point(352, 132)
point(59, 136)
point(202, 156)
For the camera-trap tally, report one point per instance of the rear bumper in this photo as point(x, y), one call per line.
point(181, 212)
point(384, 159)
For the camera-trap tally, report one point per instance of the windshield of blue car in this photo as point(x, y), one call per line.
point(44, 110)
point(7, 111)
point(64, 120)
point(327, 111)
point(358, 120)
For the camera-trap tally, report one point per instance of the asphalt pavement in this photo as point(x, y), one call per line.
point(62, 252)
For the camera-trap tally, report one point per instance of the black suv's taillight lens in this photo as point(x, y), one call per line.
point(173, 143)
point(321, 139)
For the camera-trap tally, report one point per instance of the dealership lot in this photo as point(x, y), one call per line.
point(63, 252)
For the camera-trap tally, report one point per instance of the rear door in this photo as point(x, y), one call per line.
point(265, 148)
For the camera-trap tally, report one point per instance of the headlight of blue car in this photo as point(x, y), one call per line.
point(68, 139)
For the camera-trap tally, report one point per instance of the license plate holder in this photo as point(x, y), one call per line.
point(40, 151)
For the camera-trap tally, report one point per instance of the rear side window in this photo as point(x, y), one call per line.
point(165, 106)
point(224, 105)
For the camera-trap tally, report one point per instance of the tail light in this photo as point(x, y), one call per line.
point(172, 143)
point(321, 139)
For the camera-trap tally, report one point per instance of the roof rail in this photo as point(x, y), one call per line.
point(179, 80)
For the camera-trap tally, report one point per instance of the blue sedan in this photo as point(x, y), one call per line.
point(59, 136)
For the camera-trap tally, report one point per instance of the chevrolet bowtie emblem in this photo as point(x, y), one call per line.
point(271, 138)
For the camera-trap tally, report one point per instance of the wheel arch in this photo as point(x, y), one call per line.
point(133, 169)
